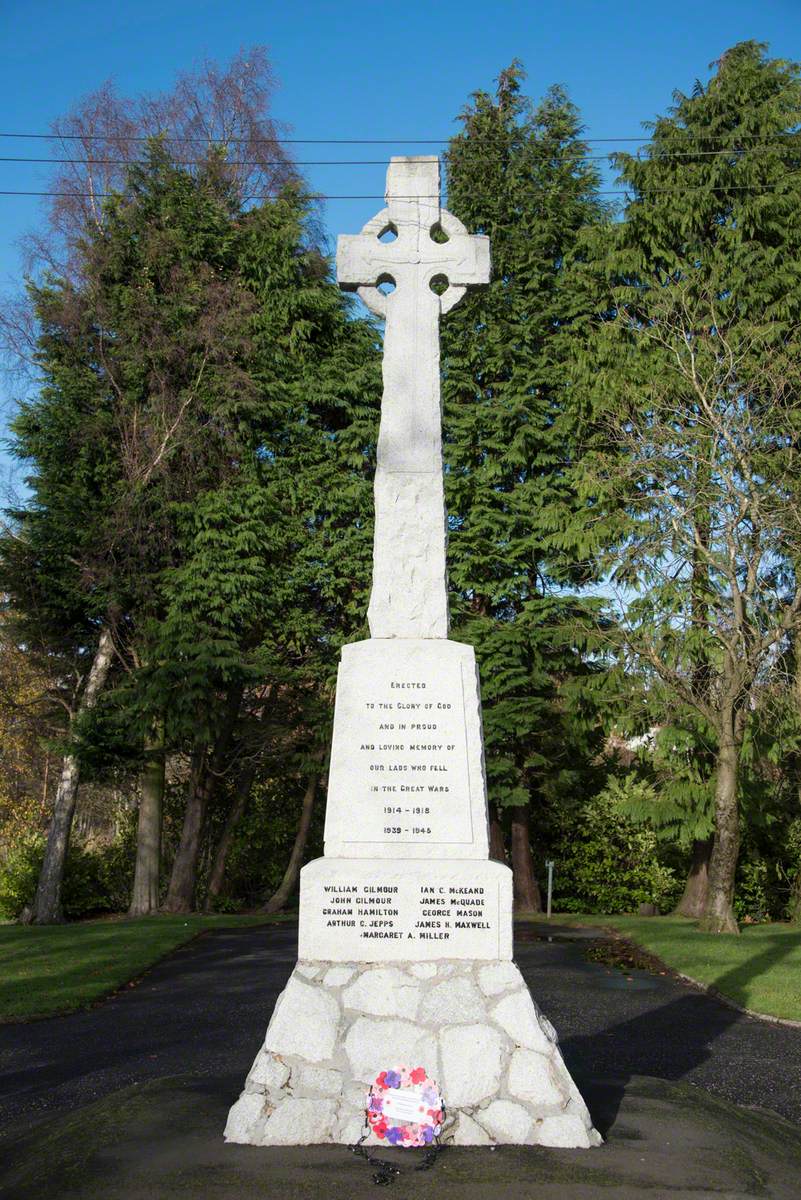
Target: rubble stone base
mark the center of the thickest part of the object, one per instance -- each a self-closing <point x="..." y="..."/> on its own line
<point x="472" y="1025"/>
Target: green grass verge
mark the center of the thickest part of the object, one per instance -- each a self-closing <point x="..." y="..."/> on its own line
<point x="57" y="968"/>
<point x="760" y="969"/>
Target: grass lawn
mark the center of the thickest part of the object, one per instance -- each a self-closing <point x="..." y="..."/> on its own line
<point x="760" y="969"/>
<point x="56" y="968"/>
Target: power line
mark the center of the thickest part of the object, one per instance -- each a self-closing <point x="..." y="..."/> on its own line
<point x="254" y="141"/>
<point x="351" y="162"/>
<point x="685" y="190"/>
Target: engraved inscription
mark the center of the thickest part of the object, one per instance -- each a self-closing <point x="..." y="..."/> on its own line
<point x="406" y="772"/>
<point x="428" y="913"/>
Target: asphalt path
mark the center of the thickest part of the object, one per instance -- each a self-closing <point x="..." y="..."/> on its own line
<point x="204" y="1010"/>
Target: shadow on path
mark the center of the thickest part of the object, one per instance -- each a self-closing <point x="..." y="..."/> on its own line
<point x="669" y="1042"/>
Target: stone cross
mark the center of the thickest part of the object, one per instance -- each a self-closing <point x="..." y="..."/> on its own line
<point x="398" y="247"/>
<point x="405" y="930"/>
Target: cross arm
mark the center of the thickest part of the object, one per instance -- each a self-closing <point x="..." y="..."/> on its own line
<point x="361" y="257"/>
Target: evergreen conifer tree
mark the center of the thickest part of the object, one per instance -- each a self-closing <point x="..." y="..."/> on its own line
<point x="521" y="175"/>
<point x="199" y="450"/>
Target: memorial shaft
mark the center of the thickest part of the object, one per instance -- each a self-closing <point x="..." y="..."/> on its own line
<point x="409" y="595"/>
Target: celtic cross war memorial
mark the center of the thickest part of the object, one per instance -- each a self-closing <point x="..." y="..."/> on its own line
<point x="405" y="939"/>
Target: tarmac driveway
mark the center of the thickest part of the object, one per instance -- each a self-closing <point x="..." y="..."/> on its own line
<point x="204" y="1010"/>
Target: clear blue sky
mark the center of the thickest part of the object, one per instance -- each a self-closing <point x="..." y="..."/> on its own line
<point x="352" y="69"/>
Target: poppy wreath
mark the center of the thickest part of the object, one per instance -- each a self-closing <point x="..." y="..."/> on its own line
<point x="405" y="1132"/>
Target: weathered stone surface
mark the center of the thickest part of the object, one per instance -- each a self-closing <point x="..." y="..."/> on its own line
<point x="471" y="1063"/>
<point x="548" y="1030"/>
<point x="308" y="970"/>
<point x="299" y="1123"/>
<point x="565" y="1130"/>
<point x="576" y="1104"/>
<point x="476" y="1062"/>
<point x="468" y="1132"/>
<point x="384" y="991"/>
<point x="317" y="1081"/>
<point x="339" y="975"/>
<point x="355" y="1095"/>
<point x="374" y="1044"/>
<point x="425" y="970"/>
<point x="499" y="977"/>
<point x="410" y="528"/>
<point x="246" y="1119"/>
<point x="409" y="596"/>
<point x="507" y="1122"/>
<point x="331" y="929"/>
<point x="268" y="1072"/>
<point x="351" y="1125"/>
<point x="456" y="1001"/>
<point x="517" y="1015"/>
<point x="534" y="1078"/>
<point x="304" y="1022"/>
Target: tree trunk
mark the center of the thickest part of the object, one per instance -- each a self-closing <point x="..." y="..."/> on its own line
<point x="794" y="907"/>
<point x="719" y="915"/>
<point x="527" y="896"/>
<point x="145" y="897"/>
<point x="794" y="904"/>
<point x="696" y="891"/>
<point x="46" y="908"/>
<point x="497" y="847"/>
<point x="206" y="770"/>
<point x="235" y="814"/>
<point x="281" y="895"/>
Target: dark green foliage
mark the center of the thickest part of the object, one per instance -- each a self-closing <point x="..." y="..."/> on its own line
<point x="201" y="448"/>
<point x="96" y="881"/>
<point x="521" y="176"/>
<point x="263" y="843"/>
<point x="685" y="380"/>
<point x="200" y="454"/>
<point x="605" y="863"/>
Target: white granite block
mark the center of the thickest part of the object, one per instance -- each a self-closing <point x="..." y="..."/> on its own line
<point x="384" y="992"/>
<point x="565" y="1130"/>
<point x="517" y="1015"/>
<point x="268" y="1071"/>
<point x="246" y="1119"/>
<point x="318" y="1081"/>
<point x="534" y="1078"/>
<point x="471" y="1063"/>
<point x="499" y="977"/>
<point x="407" y="769"/>
<point x="361" y="911"/>
<point x="373" y="1044"/>
<point x="452" y="1002"/>
<point x="304" y="1022"/>
<point x="298" y="1122"/>
<point x="507" y="1122"/>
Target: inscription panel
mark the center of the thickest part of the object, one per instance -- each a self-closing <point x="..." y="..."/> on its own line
<point x="354" y="910"/>
<point x="401" y="772"/>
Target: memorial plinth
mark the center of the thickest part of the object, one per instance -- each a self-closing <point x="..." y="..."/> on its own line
<point x="405" y="938"/>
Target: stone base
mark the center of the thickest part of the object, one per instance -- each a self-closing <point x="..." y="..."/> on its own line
<point x="472" y="1025"/>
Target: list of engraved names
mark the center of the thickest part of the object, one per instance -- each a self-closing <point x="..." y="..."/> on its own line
<point x="374" y="911"/>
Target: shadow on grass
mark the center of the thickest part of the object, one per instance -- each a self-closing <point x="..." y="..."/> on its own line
<point x="735" y="982"/>
<point x="49" y="970"/>
<point x="665" y="1043"/>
